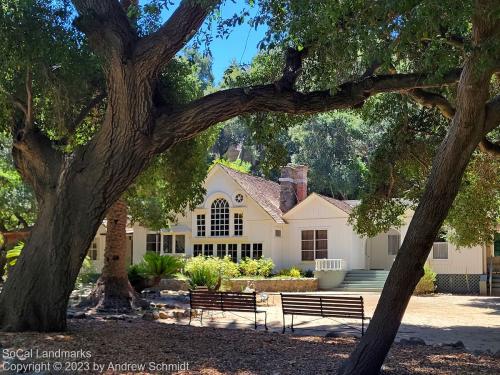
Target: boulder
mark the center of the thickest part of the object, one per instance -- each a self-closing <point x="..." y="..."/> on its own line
<point x="151" y="315"/>
<point x="164" y="315"/>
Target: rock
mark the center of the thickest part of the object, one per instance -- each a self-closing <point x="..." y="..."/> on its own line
<point x="114" y="317"/>
<point x="331" y="334"/>
<point x="412" y="341"/>
<point x="163" y="315"/>
<point x="497" y="355"/>
<point x="80" y="315"/>
<point x="455" y="345"/>
<point x="151" y="315"/>
<point x="417" y="341"/>
<point x="70" y="315"/>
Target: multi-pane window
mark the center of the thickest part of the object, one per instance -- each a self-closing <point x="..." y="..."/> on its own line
<point x="238" y="224"/>
<point x="219" y="218"/>
<point x="180" y="244"/>
<point x="93" y="251"/>
<point x="209" y="250"/>
<point x="393" y="241"/>
<point x="314" y="244"/>
<point x="257" y="250"/>
<point x="197" y="249"/>
<point x="232" y="251"/>
<point x="200" y="225"/>
<point x="246" y="251"/>
<point x="221" y="250"/>
<point x="168" y="243"/>
<point x="153" y="242"/>
<point x="440" y="250"/>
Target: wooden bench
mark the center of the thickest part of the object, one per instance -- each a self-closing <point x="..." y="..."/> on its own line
<point x="324" y="306"/>
<point x="203" y="299"/>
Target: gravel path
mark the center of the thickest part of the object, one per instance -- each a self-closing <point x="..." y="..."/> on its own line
<point x="227" y="351"/>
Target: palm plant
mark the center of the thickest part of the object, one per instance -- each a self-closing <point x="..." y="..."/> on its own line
<point x="157" y="266"/>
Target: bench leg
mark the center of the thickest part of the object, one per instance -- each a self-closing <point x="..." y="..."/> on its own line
<point x="265" y="319"/>
<point x="283" y="323"/>
<point x="293" y="330"/>
<point x="362" y="327"/>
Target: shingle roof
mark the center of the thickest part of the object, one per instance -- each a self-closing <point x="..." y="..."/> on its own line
<point x="345" y="206"/>
<point x="265" y="192"/>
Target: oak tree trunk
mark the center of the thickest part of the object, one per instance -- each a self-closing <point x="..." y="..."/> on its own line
<point x="74" y="194"/>
<point x="468" y="127"/>
<point x="113" y="291"/>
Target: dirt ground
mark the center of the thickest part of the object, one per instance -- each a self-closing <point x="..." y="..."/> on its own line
<point x="437" y="319"/>
<point x="122" y="347"/>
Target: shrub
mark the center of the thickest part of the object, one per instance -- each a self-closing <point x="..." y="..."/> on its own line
<point x="427" y="283"/>
<point x="210" y="271"/>
<point x="159" y="266"/>
<point x="294" y="272"/>
<point x="264" y="267"/>
<point x="308" y="273"/>
<point x="256" y="267"/>
<point x="88" y="273"/>
<point x="249" y="267"/>
<point x="11" y="257"/>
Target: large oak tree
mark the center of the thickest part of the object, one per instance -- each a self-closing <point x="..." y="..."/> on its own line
<point x="75" y="187"/>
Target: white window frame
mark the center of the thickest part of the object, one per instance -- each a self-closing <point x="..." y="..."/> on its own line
<point x="389" y="236"/>
<point x="314" y="241"/>
<point x="220" y="218"/>
<point x="436" y="246"/>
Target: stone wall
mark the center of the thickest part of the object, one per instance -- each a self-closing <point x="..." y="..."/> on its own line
<point x="173" y="284"/>
<point x="262" y="285"/>
<point x="273" y="285"/>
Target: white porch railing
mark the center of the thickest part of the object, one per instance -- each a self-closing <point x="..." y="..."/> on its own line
<point x="330" y="265"/>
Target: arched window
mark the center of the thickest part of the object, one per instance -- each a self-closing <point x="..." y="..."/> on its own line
<point x="219" y="218"/>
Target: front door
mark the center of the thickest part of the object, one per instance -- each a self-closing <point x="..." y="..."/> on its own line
<point x="382" y="250"/>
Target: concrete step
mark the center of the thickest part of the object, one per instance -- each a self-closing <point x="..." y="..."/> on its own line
<point x="357" y="289"/>
<point x="364" y="282"/>
<point x="357" y="278"/>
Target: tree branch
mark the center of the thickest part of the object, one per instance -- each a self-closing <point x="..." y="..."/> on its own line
<point x="293" y="67"/>
<point x="490" y="148"/>
<point x="186" y="122"/>
<point x="86" y="110"/>
<point x="492" y="113"/>
<point x="107" y="27"/>
<point x="433" y="100"/>
<point x="157" y="49"/>
<point x="29" y="99"/>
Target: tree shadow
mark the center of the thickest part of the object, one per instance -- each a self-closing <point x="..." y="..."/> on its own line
<point x="490" y="303"/>
<point x="232" y="351"/>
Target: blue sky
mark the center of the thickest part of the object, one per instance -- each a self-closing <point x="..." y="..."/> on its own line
<point x="241" y="44"/>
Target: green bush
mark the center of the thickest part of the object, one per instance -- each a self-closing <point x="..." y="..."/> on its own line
<point x="249" y="267"/>
<point x="295" y="272"/>
<point x="12" y="256"/>
<point x="159" y="266"/>
<point x="290" y="272"/>
<point x="210" y="271"/>
<point x="88" y="273"/>
<point x="427" y="283"/>
<point x="256" y="267"/>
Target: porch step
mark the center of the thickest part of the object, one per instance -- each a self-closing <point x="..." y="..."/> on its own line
<point x="364" y="281"/>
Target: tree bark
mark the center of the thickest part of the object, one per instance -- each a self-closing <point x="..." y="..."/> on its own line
<point x="468" y="127"/>
<point x="113" y="292"/>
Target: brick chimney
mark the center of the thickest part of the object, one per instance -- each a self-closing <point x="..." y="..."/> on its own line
<point x="293" y="184"/>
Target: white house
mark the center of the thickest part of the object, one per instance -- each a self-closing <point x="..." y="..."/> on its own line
<point x="247" y="216"/>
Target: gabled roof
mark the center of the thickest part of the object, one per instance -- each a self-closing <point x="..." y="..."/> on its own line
<point x="345" y="206"/>
<point x="342" y="205"/>
<point x="265" y="192"/>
